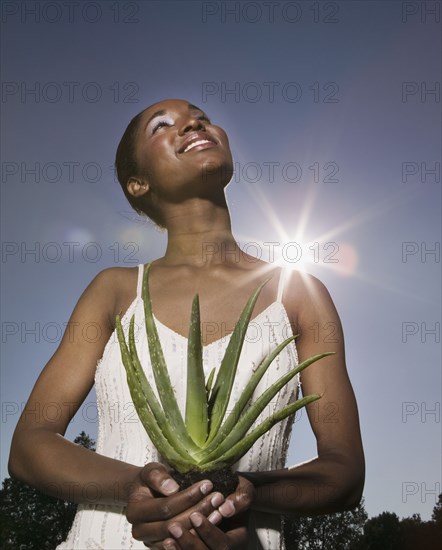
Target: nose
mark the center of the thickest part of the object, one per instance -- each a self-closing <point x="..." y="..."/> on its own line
<point x="190" y="123"/>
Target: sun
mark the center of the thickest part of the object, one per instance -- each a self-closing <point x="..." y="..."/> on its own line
<point x="295" y="250"/>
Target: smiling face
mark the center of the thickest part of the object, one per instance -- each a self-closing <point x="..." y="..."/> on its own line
<point x="180" y="153"/>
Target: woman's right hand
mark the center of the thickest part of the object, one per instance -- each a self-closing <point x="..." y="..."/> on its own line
<point x="156" y="501"/>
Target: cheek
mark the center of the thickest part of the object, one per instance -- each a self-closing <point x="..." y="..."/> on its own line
<point x="222" y="137"/>
<point x="221" y="134"/>
<point x="156" y="156"/>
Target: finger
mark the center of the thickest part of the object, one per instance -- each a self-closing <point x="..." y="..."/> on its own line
<point x="239" y="501"/>
<point x="213" y="537"/>
<point x="168" y="544"/>
<point x="217" y="539"/>
<point x="228" y="508"/>
<point x="185" y="538"/>
<point x="164" y="508"/>
<point x="156" y="477"/>
<point x="156" y="531"/>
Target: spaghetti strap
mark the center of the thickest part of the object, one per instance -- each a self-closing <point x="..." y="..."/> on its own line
<point x="140" y="280"/>
<point x="282" y="280"/>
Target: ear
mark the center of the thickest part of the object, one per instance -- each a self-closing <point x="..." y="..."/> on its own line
<point x="136" y="187"/>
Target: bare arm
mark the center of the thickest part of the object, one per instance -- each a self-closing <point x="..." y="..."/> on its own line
<point x="334" y="480"/>
<point x="40" y="455"/>
<point x="43" y="458"/>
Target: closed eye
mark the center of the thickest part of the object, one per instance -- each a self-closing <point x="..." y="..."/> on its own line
<point x="169" y="122"/>
<point x="160" y="124"/>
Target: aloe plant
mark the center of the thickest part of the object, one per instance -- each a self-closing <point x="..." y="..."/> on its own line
<point x="206" y="439"/>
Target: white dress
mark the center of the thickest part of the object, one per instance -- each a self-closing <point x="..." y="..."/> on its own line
<point x="122" y="436"/>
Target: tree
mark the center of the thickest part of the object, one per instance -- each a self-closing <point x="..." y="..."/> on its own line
<point x="436" y="516"/>
<point x="383" y="532"/>
<point x="342" y="530"/>
<point x="416" y="533"/>
<point x="85" y="441"/>
<point x="411" y="532"/>
<point x="32" y="520"/>
<point x="387" y="532"/>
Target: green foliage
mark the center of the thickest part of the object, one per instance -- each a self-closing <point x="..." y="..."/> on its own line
<point x="207" y="439"/>
<point x="339" y="531"/>
<point x="437" y="512"/>
<point x="32" y="520"/>
<point x="85" y="441"/>
<point x="383" y="532"/>
<point x="387" y="532"/>
<point x="416" y="533"/>
<point x="351" y="530"/>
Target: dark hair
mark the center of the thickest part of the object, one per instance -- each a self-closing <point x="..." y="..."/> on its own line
<point x="126" y="165"/>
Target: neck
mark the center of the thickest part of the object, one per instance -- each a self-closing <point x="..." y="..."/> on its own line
<point x="199" y="234"/>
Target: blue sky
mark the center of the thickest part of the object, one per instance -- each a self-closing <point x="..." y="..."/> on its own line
<point x="333" y="114"/>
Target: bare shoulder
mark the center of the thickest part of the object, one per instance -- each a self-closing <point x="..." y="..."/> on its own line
<point x="306" y="296"/>
<point x="115" y="277"/>
<point x="113" y="288"/>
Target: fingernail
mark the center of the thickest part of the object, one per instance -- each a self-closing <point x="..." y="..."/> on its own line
<point x="206" y="487"/>
<point x="196" y="520"/>
<point x="169" y="546"/>
<point x="175" y="530"/>
<point x="215" y="517"/>
<point x="216" y="500"/>
<point x="227" y="509"/>
<point x="169" y="486"/>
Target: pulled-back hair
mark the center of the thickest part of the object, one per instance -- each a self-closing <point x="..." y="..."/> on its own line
<point x="126" y="165"/>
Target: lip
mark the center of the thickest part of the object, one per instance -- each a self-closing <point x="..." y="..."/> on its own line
<point x="197" y="136"/>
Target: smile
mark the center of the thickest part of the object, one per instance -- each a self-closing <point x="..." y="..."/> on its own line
<point x="199" y="140"/>
<point x="196" y="143"/>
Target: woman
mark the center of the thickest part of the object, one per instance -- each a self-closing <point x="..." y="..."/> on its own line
<point x="174" y="165"/>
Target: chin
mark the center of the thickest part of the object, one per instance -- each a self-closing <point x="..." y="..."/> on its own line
<point x="218" y="169"/>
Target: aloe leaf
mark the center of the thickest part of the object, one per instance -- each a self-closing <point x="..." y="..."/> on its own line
<point x="210" y="382"/>
<point x="143" y="383"/>
<point x="159" y="368"/>
<point x="144" y="386"/>
<point x="196" y="402"/>
<point x="245" y="396"/>
<point x="176" y="459"/>
<point x="221" y="391"/>
<point x="244" y="423"/>
<point x="241" y="448"/>
<point x="192" y="447"/>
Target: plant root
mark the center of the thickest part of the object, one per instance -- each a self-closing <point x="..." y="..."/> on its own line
<point x="224" y="481"/>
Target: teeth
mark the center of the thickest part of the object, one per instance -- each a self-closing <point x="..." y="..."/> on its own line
<point x="195" y="143"/>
